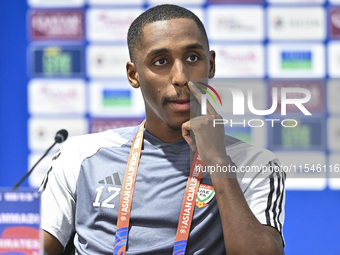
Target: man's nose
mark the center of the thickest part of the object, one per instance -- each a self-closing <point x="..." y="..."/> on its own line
<point x="179" y="74"/>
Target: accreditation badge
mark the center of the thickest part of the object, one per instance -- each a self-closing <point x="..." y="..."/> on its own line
<point x="204" y="195"/>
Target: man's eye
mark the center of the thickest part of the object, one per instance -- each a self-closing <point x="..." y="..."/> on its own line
<point x="192" y="58"/>
<point x="160" y="62"/>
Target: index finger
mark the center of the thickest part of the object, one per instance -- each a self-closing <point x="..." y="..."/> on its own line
<point x="198" y="94"/>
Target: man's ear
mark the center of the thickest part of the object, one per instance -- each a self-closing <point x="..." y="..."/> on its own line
<point x="212" y="64"/>
<point x="132" y="74"/>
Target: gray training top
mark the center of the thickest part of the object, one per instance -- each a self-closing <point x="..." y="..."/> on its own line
<point x="83" y="185"/>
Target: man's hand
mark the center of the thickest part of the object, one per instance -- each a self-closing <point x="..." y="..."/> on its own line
<point x="210" y="140"/>
<point x="243" y="233"/>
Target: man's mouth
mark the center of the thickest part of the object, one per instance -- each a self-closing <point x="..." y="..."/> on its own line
<point x="180" y="104"/>
<point x="181" y="101"/>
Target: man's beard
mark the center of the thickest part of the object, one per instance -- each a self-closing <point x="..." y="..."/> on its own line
<point x="194" y="112"/>
<point x="175" y="128"/>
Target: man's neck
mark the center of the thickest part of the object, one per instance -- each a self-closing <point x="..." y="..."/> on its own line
<point x="162" y="131"/>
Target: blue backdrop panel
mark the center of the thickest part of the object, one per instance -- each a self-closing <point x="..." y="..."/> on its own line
<point x="13" y="94"/>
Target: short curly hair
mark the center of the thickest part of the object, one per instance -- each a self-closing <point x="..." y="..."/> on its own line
<point x="158" y="13"/>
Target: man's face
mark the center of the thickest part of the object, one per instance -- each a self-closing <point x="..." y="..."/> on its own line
<point x="171" y="53"/>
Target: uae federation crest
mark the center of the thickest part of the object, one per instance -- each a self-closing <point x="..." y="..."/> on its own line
<point x="204" y="195"/>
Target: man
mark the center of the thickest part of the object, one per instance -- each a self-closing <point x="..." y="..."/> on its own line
<point x="83" y="190"/>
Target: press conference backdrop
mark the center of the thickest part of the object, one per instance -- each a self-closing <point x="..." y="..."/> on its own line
<point x="62" y="65"/>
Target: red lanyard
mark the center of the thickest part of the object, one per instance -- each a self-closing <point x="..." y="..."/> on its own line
<point x="125" y="202"/>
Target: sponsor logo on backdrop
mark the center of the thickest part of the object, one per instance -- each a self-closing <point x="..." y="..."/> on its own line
<point x="109" y="24"/>
<point x="239" y="61"/>
<point x="244" y="23"/>
<point x="107" y="61"/>
<point x="56" y="3"/>
<point x="334" y="19"/>
<point x="307" y="135"/>
<point x="115" y="99"/>
<point x="334" y="133"/>
<point x="316" y="88"/>
<point x="99" y="125"/>
<point x="56" y="96"/>
<point x="57" y="61"/>
<point x="296" y="60"/>
<point x="333" y="96"/>
<point x="277" y="22"/>
<point x="296" y="23"/>
<point x="234" y="25"/>
<point x="57" y="25"/>
<point x="42" y="130"/>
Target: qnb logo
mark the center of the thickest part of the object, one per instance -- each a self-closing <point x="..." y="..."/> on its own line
<point x="239" y="100"/>
<point x="204" y="97"/>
